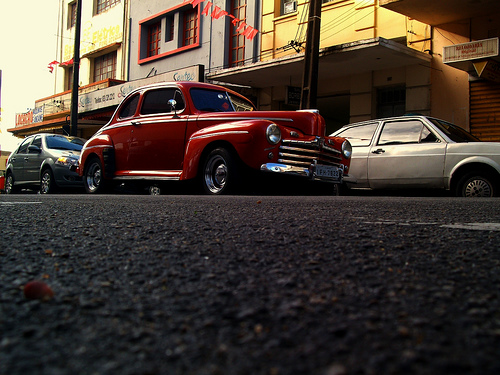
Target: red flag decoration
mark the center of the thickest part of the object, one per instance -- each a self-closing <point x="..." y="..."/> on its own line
<point x="52" y="64"/>
<point x="67" y="63"/>
<point x="248" y="31"/>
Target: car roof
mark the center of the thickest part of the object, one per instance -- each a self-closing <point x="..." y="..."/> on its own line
<point x="394" y="118"/>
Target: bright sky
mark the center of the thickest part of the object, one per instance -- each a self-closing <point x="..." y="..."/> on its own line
<point x="28" y="37"/>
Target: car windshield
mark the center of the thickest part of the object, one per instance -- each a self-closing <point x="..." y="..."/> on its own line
<point x="60" y="142"/>
<point x="218" y="101"/>
<point x="454" y="132"/>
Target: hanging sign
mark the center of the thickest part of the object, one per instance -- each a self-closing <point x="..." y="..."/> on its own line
<point x="248" y="31"/>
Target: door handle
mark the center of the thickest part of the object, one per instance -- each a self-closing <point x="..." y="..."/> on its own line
<point x="378" y="151"/>
<point x="26" y="158"/>
<point x="136" y="123"/>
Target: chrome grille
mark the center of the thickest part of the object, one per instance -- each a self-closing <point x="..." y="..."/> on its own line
<point x="305" y="153"/>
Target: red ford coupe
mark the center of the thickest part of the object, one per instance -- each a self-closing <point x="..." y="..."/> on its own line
<point x="187" y="130"/>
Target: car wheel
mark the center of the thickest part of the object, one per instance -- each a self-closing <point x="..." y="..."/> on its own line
<point x="220" y="173"/>
<point x="154" y="190"/>
<point x="474" y="185"/>
<point x="9" y="184"/>
<point x="93" y="177"/>
<point x="47" y="183"/>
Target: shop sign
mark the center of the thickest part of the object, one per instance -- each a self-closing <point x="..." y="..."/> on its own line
<point x="471" y="51"/>
<point x="488" y="69"/>
<point x="112" y="96"/>
<point x="94" y="39"/>
<point x="24" y="118"/>
<point x="37" y="114"/>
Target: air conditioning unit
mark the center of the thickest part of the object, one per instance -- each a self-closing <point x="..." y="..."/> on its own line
<point x="289" y="7"/>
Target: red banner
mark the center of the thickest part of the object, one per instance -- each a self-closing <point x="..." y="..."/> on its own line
<point x="248" y="31"/>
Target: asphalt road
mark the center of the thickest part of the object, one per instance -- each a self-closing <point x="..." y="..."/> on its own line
<point x="250" y="285"/>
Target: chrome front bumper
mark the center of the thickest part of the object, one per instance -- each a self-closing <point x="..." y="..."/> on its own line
<point x="334" y="174"/>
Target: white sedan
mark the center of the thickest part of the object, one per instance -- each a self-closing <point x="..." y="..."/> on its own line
<point x="421" y="152"/>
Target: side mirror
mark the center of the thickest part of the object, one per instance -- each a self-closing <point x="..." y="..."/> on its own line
<point x="34" y="149"/>
<point x="172" y="103"/>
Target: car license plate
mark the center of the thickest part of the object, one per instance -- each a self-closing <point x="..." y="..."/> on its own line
<point x="327" y="172"/>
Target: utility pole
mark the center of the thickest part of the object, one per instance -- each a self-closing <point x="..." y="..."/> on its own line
<point x="308" y="99"/>
<point x="76" y="71"/>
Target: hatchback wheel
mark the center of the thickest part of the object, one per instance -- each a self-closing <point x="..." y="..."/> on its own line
<point x="475" y="185"/>
<point x="9" y="184"/>
<point x="219" y="174"/>
<point x="93" y="177"/>
<point x="47" y="182"/>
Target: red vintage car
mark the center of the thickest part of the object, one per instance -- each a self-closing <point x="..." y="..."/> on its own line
<point x="187" y="130"/>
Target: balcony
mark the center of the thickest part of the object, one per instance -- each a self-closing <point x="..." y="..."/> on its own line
<point x="438" y="12"/>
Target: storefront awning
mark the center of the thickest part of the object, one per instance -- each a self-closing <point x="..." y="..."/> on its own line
<point x="336" y="61"/>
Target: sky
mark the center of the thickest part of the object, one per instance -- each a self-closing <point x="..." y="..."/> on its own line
<point x="28" y="37"/>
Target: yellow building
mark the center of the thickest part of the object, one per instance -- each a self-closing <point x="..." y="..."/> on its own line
<point x="377" y="57"/>
<point x="373" y="62"/>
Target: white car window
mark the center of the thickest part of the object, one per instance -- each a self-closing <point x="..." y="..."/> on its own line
<point x="359" y="135"/>
<point x="401" y="132"/>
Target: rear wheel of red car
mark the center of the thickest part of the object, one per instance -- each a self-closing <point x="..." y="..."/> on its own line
<point x="220" y="172"/>
<point x="475" y="185"/>
<point x="93" y="176"/>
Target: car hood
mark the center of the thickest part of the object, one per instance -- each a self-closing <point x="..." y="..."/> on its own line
<point x="68" y="153"/>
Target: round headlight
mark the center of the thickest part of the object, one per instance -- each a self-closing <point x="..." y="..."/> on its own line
<point x="273" y="134"/>
<point x="346" y="149"/>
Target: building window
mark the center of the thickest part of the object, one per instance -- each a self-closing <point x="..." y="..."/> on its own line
<point x="172" y="31"/>
<point x="170" y="28"/>
<point x="391" y="101"/>
<point x="104" y="5"/>
<point x="237" y="46"/>
<point x="72" y="14"/>
<point x="68" y="78"/>
<point x="288" y="6"/>
<point x="190" y="27"/>
<point x="105" y="67"/>
<point x="154" y="38"/>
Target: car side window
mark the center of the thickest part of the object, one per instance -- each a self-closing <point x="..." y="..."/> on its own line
<point x="37" y="142"/>
<point x="359" y="135"/>
<point x="129" y="108"/>
<point x="428" y="137"/>
<point x="157" y="101"/>
<point x="400" y="132"/>
<point x="23" y="149"/>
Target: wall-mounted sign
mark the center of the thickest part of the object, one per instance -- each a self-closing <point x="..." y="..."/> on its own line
<point x="38" y="114"/>
<point x="479" y="49"/>
<point x="113" y="95"/>
<point x="488" y="69"/>
<point x="93" y="39"/>
<point x="24" y="118"/>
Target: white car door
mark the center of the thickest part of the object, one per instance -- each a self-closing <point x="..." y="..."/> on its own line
<point x="406" y="154"/>
<point x="360" y="138"/>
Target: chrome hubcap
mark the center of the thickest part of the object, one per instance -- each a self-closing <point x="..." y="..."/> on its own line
<point x="478" y="188"/>
<point x="8" y="184"/>
<point x="93" y="177"/>
<point x="45" y="185"/>
<point x="216" y="174"/>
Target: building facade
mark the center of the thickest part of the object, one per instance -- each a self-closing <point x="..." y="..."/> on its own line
<point x="103" y="63"/>
<point x="173" y="34"/>
<point x="373" y="62"/>
<point x="465" y="60"/>
<point x="377" y="58"/>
